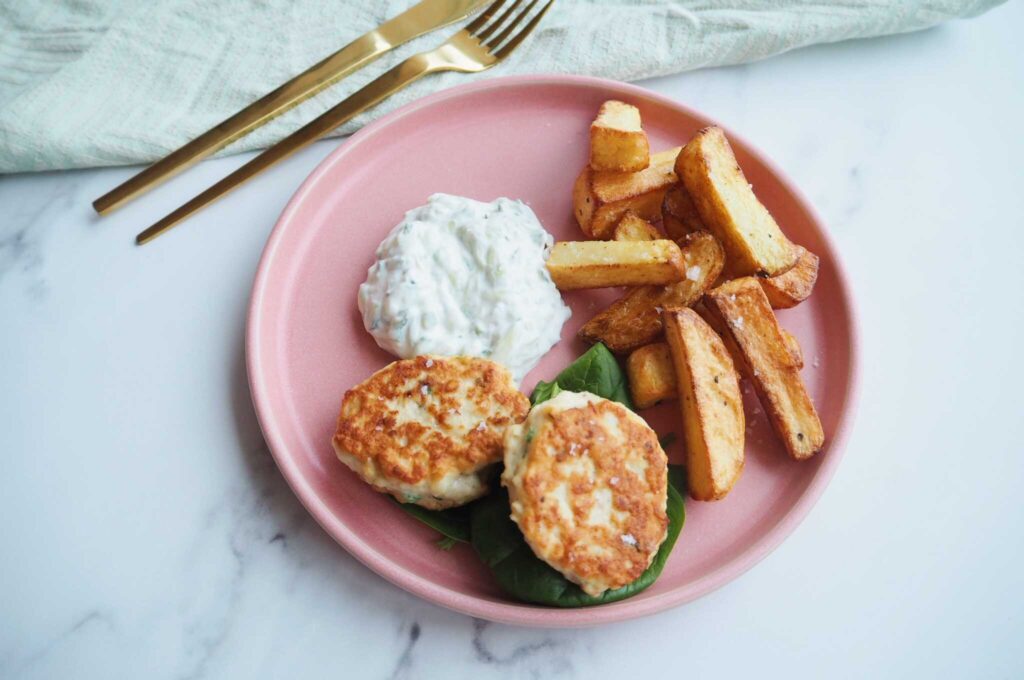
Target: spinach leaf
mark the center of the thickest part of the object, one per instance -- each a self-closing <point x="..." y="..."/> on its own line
<point x="501" y="546"/>
<point x="452" y="524"/>
<point x="596" y="371"/>
<point x="544" y="391"/>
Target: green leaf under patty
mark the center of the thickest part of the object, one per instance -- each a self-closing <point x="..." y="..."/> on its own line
<point x="596" y="371"/>
<point x="452" y="524"/>
<point x="521" y="574"/>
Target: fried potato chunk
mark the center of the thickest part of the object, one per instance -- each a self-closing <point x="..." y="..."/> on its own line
<point x="679" y="215"/>
<point x="602" y="264"/>
<point x="652" y="378"/>
<point x="617" y="140"/>
<point x="742" y="310"/>
<point x="794" y="286"/>
<point x="753" y="242"/>
<point x="599" y="199"/>
<point x="633" y="228"/>
<point x="714" y="426"/>
<point x="795" y="352"/>
<point x="634" y="320"/>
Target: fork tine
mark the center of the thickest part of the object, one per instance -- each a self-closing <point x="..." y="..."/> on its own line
<point x="484" y="16"/>
<point x="500" y="38"/>
<point x="516" y="39"/>
<point x="482" y="35"/>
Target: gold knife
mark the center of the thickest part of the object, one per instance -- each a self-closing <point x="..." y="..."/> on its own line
<point x="422" y="18"/>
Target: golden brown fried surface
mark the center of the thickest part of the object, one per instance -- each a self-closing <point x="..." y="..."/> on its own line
<point x="617" y="140"/>
<point x="794" y="286"/>
<point x="587" y="481"/>
<point x="712" y="407"/>
<point x="633" y="228"/>
<point x="634" y="319"/>
<point x="652" y="378"/>
<point x="753" y="242"/>
<point x="427" y="430"/>
<point x="743" y="311"/>
<point x="605" y="264"/>
<point x="599" y="199"/>
<point x="679" y="215"/>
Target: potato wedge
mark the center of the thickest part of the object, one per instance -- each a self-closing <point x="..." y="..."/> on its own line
<point x="794" y="286"/>
<point x="753" y="242"/>
<point x="714" y="426"/>
<point x="651" y="376"/>
<point x="679" y="215"/>
<point x="742" y="309"/>
<point x="602" y="264"/>
<point x="795" y="352"/>
<point x="617" y="141"/>
<point x="633" y="228"/>
<point x="634" y="320"/>
<point x="599" y="199"/>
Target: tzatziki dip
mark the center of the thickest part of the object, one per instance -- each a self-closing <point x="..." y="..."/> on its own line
<point x="461" y="277"/>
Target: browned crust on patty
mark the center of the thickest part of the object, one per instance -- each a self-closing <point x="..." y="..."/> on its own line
<point x="424" y="419"/>
<point x="638" y="502"/>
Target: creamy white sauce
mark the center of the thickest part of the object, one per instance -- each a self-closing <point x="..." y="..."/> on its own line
<point x="461" y="277"/>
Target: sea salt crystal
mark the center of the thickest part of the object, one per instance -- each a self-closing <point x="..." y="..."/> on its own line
<point x="379" y="428"/>
<point x="613" y="481"/>
<point x="424" y="390"/>
<point x="738" y="322"/>
<point x="482" y="426"/>
<point x="693" y="273"/>
<point x="628" y="539"/>
<point x="429" y="363"/>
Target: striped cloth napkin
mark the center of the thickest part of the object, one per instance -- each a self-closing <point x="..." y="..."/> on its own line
<point x="108" y="82"/>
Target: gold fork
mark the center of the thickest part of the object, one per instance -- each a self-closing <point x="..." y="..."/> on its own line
<point x="475" y="48"/>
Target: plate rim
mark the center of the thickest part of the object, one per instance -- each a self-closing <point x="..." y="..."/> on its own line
<point x="521" y="613"/>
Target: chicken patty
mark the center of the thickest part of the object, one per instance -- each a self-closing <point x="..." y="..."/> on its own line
<point x="588" y="484"/>
<point x="429" y="430"/>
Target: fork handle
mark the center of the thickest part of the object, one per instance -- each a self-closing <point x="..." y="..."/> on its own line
<point x="402" y="75"/>
<point x="421" y="18"/>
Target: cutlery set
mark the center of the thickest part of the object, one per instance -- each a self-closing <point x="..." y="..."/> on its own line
<point x="487" y="40"/>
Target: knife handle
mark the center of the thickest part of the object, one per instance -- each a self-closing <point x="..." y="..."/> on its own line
<point x="402" y="75"/>
<point x="416" y="21"/>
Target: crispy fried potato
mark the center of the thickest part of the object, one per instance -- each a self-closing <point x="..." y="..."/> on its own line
<point x="794" y="286"/>
<point x="602" y="264"/>
<point x="753" y="242"/>
<point x="792" y="344"/>
<point x="633" y="228"/>
<point x="634" y="320"/>
<point x="617" y="142"/>
<point x="679" y="215"/>
<point x="742" y="309"/>
<point x="600" y="198"/>
<point x="651" y="375"/>
<point x="714" y="426"/>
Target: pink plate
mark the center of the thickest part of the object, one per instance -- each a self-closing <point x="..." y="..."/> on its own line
<point x="525" y="138"/>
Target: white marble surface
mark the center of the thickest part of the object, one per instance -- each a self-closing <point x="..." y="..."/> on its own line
<point x="146" y="533"/>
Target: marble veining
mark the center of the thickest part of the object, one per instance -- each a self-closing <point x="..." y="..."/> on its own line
<point x="147" y="532"/>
